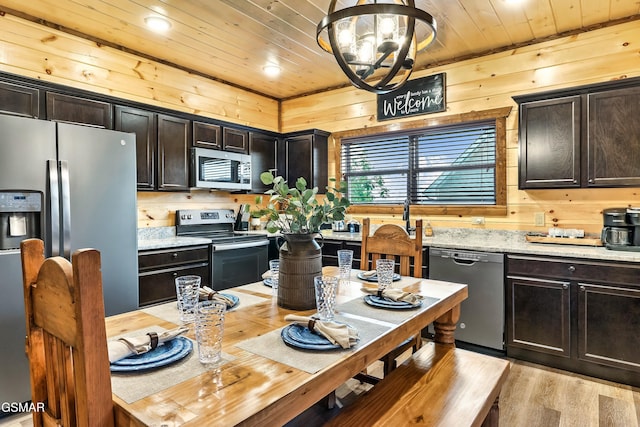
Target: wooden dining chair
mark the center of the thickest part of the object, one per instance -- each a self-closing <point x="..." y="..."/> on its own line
<point x="66" y="338"/>
<point x="393" y="242"/>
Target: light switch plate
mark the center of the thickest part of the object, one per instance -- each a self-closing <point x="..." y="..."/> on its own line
<point x="538" y="218"/>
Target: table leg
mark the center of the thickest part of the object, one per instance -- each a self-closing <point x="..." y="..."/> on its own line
<point x="445" y="326"/>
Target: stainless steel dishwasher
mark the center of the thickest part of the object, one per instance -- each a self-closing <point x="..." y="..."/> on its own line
<point x="482" y="313"/>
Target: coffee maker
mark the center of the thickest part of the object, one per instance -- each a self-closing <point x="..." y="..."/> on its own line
<point x="621" y="230"/>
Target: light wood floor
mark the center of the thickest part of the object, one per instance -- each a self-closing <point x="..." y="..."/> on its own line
<point x="534" y="396"/>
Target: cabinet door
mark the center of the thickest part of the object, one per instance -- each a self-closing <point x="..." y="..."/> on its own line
<point x="262" y="149"/>
<point x="538" y="315"/>
<point x="19" y="100"/>
<point x="609" y="325"/>
<point x="173" y="160"/>
<point x="207" y="135"/>
<point x="71" y="109"/>
<point x="143" y="124"/>
<point x="550" y="143"/>
<point x="235" y="140"/>
<point x="614" y="132"/>
<point x="295" y="159"/>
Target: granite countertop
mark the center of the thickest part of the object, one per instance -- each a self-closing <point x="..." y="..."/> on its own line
<point x="503" y="241"/>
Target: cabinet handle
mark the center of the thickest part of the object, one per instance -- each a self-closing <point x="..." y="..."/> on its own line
<point x="175" y="274"/>
<point x="582" y="288"/>
<point x="591" y="181"/>
<point x="565" y="286"/>
<point x="575" y="181"/>
<point x="174" y="255"/>
<point x="572" y="268"/>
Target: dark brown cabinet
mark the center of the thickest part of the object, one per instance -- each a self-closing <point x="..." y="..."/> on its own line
<point x="575" y="314"/>
<point x="207" y="135"/>
<point x="262" y="148"/>
<point x="236" y="140"/>
<point x="174" y="134"/>
<point x="157" y="270"/>
<point x="143" y="124"/>
<point x="550" y="143"/>
<point x="73" y="109"/>
<point x="580" y="137"/>
<point x="304" y="154"/>
<point x="613" y="139"/>
<point x="19" y="100"/>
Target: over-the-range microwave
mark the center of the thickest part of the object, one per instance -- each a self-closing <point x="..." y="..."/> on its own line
<point x="220" y="170"/>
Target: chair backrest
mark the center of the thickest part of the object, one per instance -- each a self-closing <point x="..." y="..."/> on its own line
<point x="392" y="241"/>
<point x="66" y="338"/>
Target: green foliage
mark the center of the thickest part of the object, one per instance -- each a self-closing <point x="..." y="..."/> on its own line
<point x="363" y="188"/>
<point x="297" y="209"/>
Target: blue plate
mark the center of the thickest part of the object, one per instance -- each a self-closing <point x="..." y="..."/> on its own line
<point x="233" y="298"/>
<point x="163" y="355"/>
<point x="268" y="282"/>
<point x="374" y="277"/>
<point x="301" y="337"/>
<point x="380" y="302"/>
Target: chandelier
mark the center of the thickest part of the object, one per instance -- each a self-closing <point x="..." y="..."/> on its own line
<point x="375" y="42"/>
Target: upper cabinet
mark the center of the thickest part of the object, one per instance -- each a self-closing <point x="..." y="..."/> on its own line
<point x="304" y="154"/>
<point x="73" y="109"/>
<point x="143" y="124"/>
<point x="207" y="135"/>
<point x="162" y="143"/>
<point x="236" y="140"/>
<point x="262" y="148"/>
<point x="613" y="143"/>
<point x="581" y="137"/>
<point x="20" y="100"/>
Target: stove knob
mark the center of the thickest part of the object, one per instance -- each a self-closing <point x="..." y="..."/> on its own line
<point x="189" y="216"/>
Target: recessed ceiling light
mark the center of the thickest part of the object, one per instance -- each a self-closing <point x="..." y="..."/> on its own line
<point x="157" y="23"/>
<point x="271" y="70"/>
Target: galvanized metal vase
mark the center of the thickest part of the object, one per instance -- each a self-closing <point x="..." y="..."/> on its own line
<point x="300" y="262"/>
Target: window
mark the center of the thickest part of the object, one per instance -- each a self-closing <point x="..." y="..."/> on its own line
<point x="443" y="165"/>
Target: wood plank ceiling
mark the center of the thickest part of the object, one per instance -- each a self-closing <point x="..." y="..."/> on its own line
<point x="231" y="40"/>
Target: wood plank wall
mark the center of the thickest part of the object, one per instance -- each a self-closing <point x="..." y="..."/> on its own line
<point x="36" y="51"/>
<point x="490" y="82"/>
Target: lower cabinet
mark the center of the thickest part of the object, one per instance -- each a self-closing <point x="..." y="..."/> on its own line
<point x="157" y="270"/>
<point x="578" y="315"/>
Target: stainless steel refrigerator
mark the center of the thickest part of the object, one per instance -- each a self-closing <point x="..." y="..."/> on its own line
<point x="74" y="187"/>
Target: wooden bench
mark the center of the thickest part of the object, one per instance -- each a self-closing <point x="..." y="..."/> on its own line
<point x="440" y="385"/>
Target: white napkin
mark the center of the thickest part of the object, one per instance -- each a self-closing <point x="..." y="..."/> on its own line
<point x="206" y="293"/>
<point x="369" y="273"/>
<point x="336" y="333"/>
<point x="127" y="346"/>
<point x="266" y="274"/>
<point x="396" y="295"/>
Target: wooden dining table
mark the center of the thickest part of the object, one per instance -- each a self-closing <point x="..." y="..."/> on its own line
<point x="263" y="381"/>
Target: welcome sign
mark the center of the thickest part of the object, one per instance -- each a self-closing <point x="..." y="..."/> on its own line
<point x="419" y="96"/>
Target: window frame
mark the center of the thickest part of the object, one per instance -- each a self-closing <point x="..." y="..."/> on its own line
<point x="499" y="208"/>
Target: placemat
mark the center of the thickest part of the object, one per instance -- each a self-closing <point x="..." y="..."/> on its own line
<point x="358" y="307"/>
<point x="271" y="346"/>
<point x="257" y="287"/>
<point x="133" y="386"/>
<point x="169" y="310"/>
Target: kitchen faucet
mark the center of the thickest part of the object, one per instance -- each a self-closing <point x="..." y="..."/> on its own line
<point x="405" y="217"/>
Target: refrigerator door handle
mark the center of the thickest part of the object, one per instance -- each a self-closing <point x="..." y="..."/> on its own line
<point x="66" y="209"/>
<point x="53" y="245"/>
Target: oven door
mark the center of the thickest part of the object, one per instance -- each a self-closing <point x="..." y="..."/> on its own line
<point x="238" y="263"/>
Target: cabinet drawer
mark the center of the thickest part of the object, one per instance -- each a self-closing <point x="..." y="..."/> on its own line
<point x="155" y="287"/>
<point x="588" y="270"/>
<point x="155" y="259"/>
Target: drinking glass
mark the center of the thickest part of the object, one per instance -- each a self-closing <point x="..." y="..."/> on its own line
<point x="384" y="271"/>
<point x="187" y="289"/>
<point x="209" y="318"/>
<point x="345" y="259"/>
<point x="274" y="268"/>
<point x="326" y="289"/>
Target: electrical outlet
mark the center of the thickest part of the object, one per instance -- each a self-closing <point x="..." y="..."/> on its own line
<point x="477" y="220"/>
<point x="538" y="219"/>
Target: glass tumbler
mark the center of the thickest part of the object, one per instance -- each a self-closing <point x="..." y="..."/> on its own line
<point x="187" y="290"/>
<point x="326" y="289"/>
<point x="384" y="271"/>
<point x="209" y="318"/>
<point x="274" y="269"/>
<point x="345" y="260"/>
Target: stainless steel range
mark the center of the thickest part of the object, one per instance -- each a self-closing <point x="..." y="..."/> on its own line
<point x="237" y="258"/>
